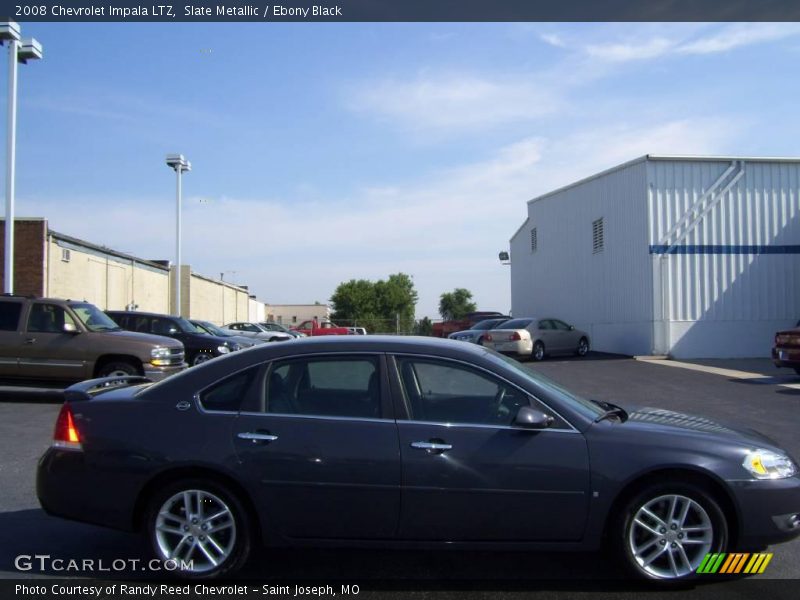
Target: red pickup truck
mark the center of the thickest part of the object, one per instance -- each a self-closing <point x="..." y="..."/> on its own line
<point x="312" y="328"/>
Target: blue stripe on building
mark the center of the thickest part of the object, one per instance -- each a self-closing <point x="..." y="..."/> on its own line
<point x="726" y="249"/>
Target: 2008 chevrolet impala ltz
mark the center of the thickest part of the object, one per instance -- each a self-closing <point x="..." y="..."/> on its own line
<point x="370" y="440"/>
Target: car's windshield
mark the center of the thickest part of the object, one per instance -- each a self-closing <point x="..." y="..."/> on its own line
<point x="188" y="327"/>
<point x="586" y="407"/>
<point x="93" y="318"/>
<point x="210" y="328"/>
<point x="516" y="324"/>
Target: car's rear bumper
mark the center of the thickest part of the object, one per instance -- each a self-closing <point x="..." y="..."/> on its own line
<point x="769" y="509"/>
<point x="517" y="348"/>
<point x="68" y="487"/>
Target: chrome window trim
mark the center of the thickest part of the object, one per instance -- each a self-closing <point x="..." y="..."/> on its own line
<point x="496" y="376"/>
<point x="482" y="426"/>
<point x="316" y="417"/>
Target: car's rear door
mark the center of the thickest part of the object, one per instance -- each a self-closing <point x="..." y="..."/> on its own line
<point x="320" y="448"/>
<point x="469" y="474"/>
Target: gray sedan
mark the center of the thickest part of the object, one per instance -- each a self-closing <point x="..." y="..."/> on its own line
<point x="476" y="332"/>
<point x="406" y="442"/>
<point x="536" y="338"/>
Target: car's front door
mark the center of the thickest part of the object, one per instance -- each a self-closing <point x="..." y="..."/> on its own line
<point x="469" y="474"/>
<point x="10" y="337"/>
<point x="567" y="337"/>
<point x="321" y="449"/>
<point x="47" y="350"/>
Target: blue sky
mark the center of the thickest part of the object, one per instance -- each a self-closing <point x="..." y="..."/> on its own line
<point x="325" y="152"/>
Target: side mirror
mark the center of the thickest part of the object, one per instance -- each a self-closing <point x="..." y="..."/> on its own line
<point x="173" y="330"/>
<point x="70" y="328"/>
<point x="530" y="418"/>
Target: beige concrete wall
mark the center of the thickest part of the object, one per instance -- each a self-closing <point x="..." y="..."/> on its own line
<point x="256" y="311"/>
<point x="212" y="300"/>
<point x="291" y="314"/>
<point x="109" y="282"/>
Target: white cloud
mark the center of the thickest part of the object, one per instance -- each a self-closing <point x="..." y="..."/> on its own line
<point x="444" y="230"/>
<point x="454" y="101"/>
<point x="553" y="39"/>
<point x="673" y="39"/>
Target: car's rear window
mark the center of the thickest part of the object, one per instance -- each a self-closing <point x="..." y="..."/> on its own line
<point x="516" y="324"/>
<point x="9" y="315"/>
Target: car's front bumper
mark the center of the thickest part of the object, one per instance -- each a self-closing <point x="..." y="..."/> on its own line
<point x="769" y="511"/>
<point x="786" y="357"/>
<point x="158" y="373"/>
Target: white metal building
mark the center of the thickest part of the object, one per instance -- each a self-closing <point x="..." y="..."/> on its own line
<point x="695" y="257"/>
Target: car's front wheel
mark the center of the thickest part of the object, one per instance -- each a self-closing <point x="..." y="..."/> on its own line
<point x="666" y="530"/>
<point x="201" y="357"/>
<point x="199" y="529"/>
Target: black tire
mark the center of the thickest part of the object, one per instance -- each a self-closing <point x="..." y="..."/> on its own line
<point x="118" y="368"/>
<point x="480" y="341"/>
<point x="583" y="347"/>
<point x="625" y="537"/>
<point x="797" y="371"/>
<point x="201" y="357"/>
<point x="537" y="353"/>
<point x="241" y="533"/>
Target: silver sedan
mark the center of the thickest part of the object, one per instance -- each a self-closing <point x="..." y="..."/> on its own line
<point x="476" y="333"/>
<point x="536" y="338"/>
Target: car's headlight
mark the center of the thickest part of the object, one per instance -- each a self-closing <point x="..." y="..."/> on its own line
<point x="766" y="464"/>
<point x="160" y="357"/>
<point x="223" y="349"/>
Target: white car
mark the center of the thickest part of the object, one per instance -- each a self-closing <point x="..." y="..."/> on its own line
<point x="536" y="338"/>
<point x="257" y="331"/>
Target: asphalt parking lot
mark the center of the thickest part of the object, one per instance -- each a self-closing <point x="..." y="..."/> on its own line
<point x="26" y="423"/>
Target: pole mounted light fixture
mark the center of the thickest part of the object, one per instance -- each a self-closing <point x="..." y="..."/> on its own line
<point x="18" y="52"/>
<point x="505" y="257"/>
<point x="180" y="165"/>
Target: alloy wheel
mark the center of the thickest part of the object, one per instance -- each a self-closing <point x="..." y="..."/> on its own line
<point x="669" y="536"/>
<point x="201" y="358"/>
<point x="196" y="527"/>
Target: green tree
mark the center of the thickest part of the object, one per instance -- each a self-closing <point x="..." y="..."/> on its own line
<point x="380" y="306"/>
<point x="456" y="304"/>
<point x="424" y="327"/>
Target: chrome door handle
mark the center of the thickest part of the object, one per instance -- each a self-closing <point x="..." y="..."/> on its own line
<point x="257" y="437"/>
<point x="30" y="341"/>
<point x="431" y="446"/>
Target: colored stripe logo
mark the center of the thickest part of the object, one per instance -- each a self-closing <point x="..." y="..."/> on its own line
<point x="728" y="564"/>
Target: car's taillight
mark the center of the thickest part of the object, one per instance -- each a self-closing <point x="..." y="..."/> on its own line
<point x="515" y="337"/>
<point x="487" y="337"/>
<point x="66" y="434"/>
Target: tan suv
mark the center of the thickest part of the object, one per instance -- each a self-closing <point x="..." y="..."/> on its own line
<point x="49" y="340"/>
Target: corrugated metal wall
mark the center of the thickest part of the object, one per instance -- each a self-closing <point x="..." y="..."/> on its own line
<point x="734" y="279"/>
<point x="608" y="293"/>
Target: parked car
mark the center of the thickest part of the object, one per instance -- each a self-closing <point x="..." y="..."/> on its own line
<point x="211" y="329"/>
<point x="537" y="338"/>
<point x="64" y="341"/>
<point x="445" y="328"/>
<point x="476" y="332"/>
<point x="256" y="331"/>
<point x="273" y="326"/>
<point x="786" y="351"/>
<point x="314" y="328"/>
<point x="406" y="441"/>
<point x="199" y="346"/>
<point x="357" y="330"/>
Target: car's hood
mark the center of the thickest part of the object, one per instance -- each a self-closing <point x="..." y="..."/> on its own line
<point x="659" y="419"/>
<point x="144" y="338"/>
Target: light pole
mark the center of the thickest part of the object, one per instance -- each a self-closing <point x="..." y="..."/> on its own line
<point x="18" y="52"/>
<point x="179" y="163"/>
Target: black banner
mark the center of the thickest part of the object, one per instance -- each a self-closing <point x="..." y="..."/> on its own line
<point x="403" y="10"/>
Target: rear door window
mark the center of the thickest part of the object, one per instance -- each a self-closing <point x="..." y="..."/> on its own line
<point x="9" y="315"/>
<point x="48" y="318"/>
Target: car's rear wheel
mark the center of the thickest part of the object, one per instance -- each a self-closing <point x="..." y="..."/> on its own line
<point x="666" y="530"/>
<point x="538" y="351"/>
<point x="199" y="529"/>
<point x="583" y="347"/>
<point x="118" y="368"/>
